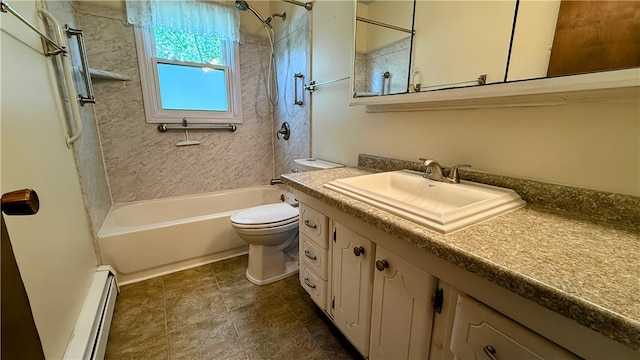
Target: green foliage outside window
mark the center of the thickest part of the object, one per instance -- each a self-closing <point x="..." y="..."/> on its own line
<point x="188" y="46"/>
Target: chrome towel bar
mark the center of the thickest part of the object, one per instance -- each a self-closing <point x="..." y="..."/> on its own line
<point x="90" y="98"/>
<point x="197" y="127"/>
<point x="297" y="76"/>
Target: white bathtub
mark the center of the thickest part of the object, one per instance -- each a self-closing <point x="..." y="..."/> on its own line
<point x="144" y="239"/>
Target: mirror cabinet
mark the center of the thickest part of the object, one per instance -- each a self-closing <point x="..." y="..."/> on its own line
<point x="412" y="49"/>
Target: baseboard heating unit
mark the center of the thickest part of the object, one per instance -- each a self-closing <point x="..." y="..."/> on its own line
<point x="89" y="338"/>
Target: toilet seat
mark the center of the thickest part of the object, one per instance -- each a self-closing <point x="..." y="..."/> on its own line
<point x="266" y="217"/>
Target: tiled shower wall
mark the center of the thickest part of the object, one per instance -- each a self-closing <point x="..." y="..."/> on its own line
<point x="86" y="150"/>
<point x="142" y="163"/>
<point x="293" y="55"/>
<point x="393" y="58"/>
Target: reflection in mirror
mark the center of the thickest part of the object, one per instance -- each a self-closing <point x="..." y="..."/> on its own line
<point x="457" y="41"/>
<point x="383" y="47"/>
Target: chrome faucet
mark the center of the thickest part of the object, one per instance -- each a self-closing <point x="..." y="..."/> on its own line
<point x="434" y="171"/>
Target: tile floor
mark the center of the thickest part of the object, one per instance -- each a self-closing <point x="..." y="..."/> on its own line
<point x="213" y="312"/>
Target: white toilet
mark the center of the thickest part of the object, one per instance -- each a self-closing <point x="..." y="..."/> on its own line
<point x="272" y="234"/>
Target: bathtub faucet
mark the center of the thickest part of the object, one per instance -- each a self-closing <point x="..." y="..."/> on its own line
<point x="275" y="181"/>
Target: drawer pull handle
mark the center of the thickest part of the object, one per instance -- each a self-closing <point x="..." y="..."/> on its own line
<point x="306" y="222"/>
<point x="358" y="250"/>
<point x="306" y="281"/>
<point x="307" y="254"/>
<point x="382" y="264"/>
<point x="490" y="351"/>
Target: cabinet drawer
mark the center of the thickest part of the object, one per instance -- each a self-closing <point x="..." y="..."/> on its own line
<point x="314" y="225"/>
<point x="314" y="256"/>
<point x="480" y="332"/>
<point x="315" y="286"/>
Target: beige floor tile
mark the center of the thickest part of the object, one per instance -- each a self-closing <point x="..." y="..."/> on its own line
<point x="213" y="338"/>
<point x="151" y="349"/>
<point x="304" y="308"/>
<point x="191" y="279"/>
<point x="133" y="325"/>
<point x="140" y="293"/>
<point x="290" y="289"/>
<point x="231" y="269"/>
<point x="191" y="307"/>
<point x="293" y="344"/>
<point x="214" y="312"/>
<point x="238" y="293"/>
<point x="330" y="340"/>
<point x="263" y="320"/>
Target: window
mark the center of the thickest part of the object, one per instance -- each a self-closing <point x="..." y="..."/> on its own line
<point x="189" y="69"/>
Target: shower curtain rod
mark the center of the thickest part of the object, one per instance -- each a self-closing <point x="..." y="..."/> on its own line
<point x="307" y="5"/>
<point x="378" y="23"/>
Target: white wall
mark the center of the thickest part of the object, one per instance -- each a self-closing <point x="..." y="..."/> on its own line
<point x="594" y="146"/>
<point x="53" y="248"/>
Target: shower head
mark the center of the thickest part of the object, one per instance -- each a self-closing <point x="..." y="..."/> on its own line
<point x="244" y="6"/>
<point x="283" y="16"/>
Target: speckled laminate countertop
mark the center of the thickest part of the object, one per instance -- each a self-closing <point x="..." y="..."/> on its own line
<point x="583" y="268"/>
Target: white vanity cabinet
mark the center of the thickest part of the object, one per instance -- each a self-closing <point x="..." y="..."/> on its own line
<point x="314" y="254"/>
<point x="403" y="309"/>
<point x="480" y="332"/>
<point x="352" y="258"/>
<point x="393" y="302"/>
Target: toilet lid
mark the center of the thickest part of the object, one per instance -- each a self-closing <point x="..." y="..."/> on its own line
<point x="266" y="214"/>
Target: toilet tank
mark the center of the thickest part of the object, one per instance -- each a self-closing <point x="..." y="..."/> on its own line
<point x="311" y="164"/>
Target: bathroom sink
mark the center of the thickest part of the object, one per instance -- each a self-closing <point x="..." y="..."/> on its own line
<point x="440" y="206"/>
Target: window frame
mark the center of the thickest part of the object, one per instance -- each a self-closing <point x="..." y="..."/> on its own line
<point x="154" y="113"/>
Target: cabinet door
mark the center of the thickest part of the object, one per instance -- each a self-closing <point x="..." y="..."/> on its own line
<point x="352" y="283"/>
<point x="481" y="332"/>
<point x="402" y="314"/>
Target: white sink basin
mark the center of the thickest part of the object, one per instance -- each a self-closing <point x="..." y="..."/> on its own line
<point x="437" y="205"/>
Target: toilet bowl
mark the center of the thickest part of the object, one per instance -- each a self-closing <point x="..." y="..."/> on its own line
<point x="272" y="234"/>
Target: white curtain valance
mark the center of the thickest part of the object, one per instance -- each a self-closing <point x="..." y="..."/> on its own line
<point x="195" y="16"/>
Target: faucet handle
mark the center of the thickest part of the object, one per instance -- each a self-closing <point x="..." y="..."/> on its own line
<point x="453" y="172"/>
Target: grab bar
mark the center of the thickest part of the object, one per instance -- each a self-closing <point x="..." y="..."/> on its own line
<point x="47" y="43"/>
<point x="71" y="88"/>
<point x="164" y="127"/>
<point x="386" y="79"/>
<point x="312" y="85"/>
<point x="297" y="76"/>
<point x="90" y="98"/>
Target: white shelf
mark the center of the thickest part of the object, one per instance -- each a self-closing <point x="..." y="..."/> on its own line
<point x="97" y="74"/>
<point x="620" y="86"/>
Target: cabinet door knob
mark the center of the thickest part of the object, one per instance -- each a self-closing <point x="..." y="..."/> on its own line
<point x="490" y="351"/>
<point x="306" y="222"/>
<point x="358" y="250"/>
<point x="382" y="264"/>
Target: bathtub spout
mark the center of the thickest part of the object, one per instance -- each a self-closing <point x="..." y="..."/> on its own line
<point x="275" y="181"/>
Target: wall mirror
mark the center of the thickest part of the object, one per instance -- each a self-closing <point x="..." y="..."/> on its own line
<point x="383" y="40"/>
<point x="435" y="45"/>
